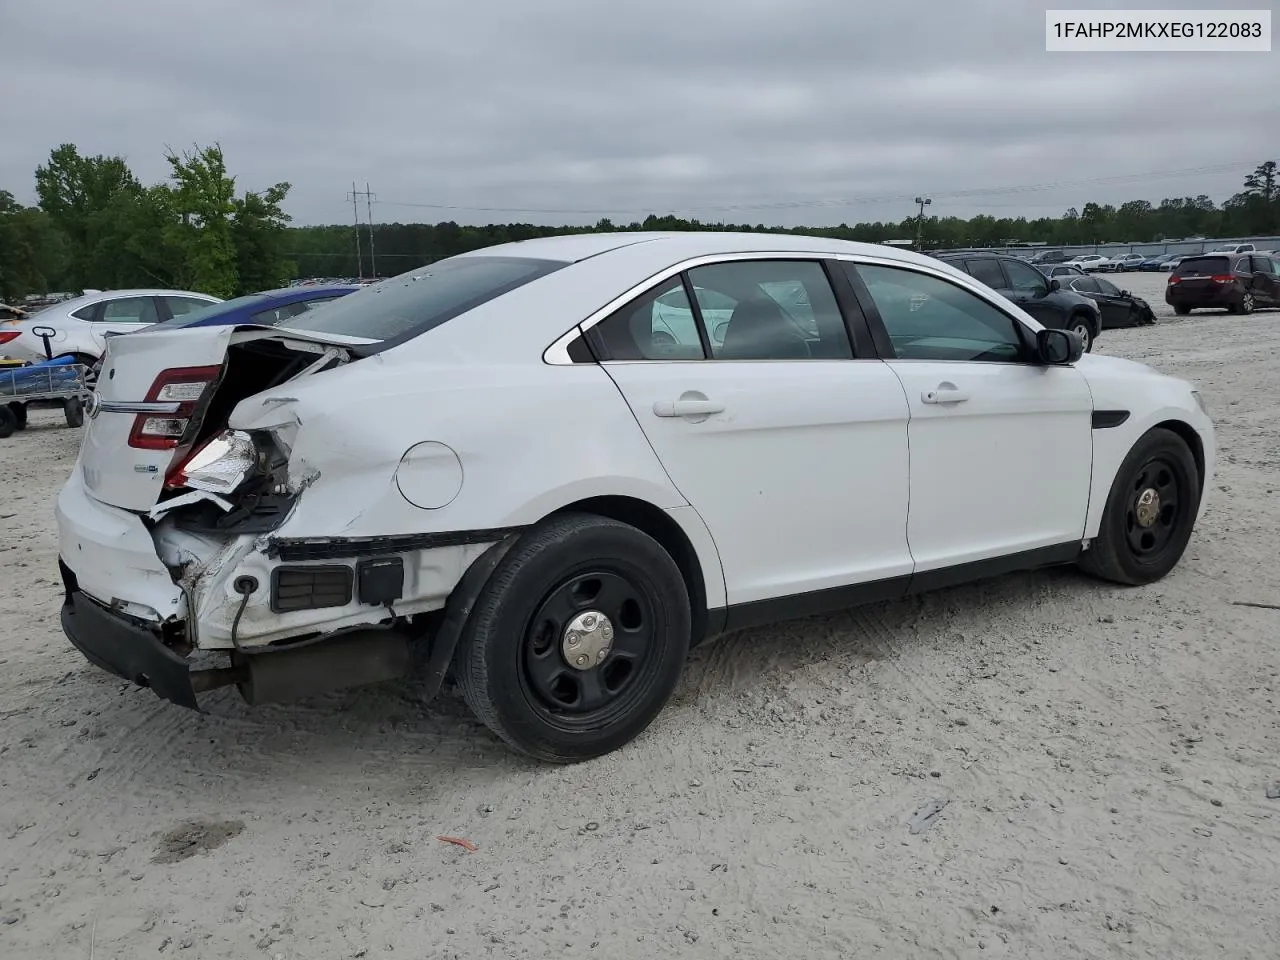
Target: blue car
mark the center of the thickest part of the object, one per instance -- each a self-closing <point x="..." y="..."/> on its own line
<point x="267" y="308"/>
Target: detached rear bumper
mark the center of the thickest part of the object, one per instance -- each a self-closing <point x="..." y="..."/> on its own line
<point x="121" y="646"/>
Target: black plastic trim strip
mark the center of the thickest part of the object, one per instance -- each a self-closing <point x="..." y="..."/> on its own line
<point x="293" y="549"/>
<point x="817" y="602"/>
<point x="1106" y="419"/>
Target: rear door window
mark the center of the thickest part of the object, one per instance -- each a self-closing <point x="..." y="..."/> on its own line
<point x="1085" y="285"/>
<point x="988" y="272"/>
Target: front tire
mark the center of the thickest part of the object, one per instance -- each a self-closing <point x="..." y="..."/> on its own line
<point x="577" y="640"/>
<point x="1149" y="514"/>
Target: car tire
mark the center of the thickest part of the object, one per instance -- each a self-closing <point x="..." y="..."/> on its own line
<point x="515" y="663"/>
<point x="73" y="411"/>
<point x="1083" y="328"/>
<point x="1246" y="304"/>
<point x="8" y="423"/>
<point x="1149" y="513"/>
<point x="1182" y="311"/>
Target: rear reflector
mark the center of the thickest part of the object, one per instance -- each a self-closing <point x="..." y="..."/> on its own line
<point x="182" y="386"/>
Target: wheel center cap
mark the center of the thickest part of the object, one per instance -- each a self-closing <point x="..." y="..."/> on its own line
<point x="1148" y="507"/>
<point x="587" y="640"/>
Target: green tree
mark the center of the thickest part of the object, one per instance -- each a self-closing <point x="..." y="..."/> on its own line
<point x="259" y="232"/>
<point x="203" y="197"/>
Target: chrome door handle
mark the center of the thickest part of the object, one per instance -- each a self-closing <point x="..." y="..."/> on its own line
<point x="686" y="408"/>
<point x="944" y="393"/>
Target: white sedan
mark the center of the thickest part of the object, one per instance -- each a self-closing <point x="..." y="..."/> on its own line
<point x="508" y="461"/>
<point x="1090" y="261"/>
<point x="77" y="328"/>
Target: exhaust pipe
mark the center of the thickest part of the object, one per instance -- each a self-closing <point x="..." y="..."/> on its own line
<point x="355" y="659"/>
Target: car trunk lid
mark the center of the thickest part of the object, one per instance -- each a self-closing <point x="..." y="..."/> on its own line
<point x="162" y="391"/>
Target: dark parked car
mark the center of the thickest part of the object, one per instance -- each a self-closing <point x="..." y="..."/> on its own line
<point x="1040" y="296"/>
<point x="1061" y="270"/>
<point x="1152" y="263"/>
<point x="1120" y="308"/>
<point x="1236" y="282"/>
<point x="1049" y="256"/>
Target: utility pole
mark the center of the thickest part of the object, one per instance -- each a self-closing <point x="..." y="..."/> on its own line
<point x="355" y="212"/>
<point x="920" y="219"/>
<point x="373" y="260"/>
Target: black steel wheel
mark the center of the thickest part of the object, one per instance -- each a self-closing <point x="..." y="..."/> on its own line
<point x="577" y="640"/>
<point x="1149" y="513"/>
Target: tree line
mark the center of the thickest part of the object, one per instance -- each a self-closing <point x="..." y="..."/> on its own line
<point x="97" y="226"/>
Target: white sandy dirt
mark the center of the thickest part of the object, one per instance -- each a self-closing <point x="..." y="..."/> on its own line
<point x="1103" y="755"/>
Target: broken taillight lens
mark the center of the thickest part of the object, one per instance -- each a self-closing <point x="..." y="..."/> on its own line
<point x="220" y="466"/>
<point x="183" y="386"/>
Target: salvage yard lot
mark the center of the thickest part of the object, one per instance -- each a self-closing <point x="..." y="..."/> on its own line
<point x="1103" y="753"/>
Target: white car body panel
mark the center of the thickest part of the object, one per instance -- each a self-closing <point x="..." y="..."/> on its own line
<point x="810" y="457"/>
<point x="1004" y="471"/>
<point x="786" y="478"/>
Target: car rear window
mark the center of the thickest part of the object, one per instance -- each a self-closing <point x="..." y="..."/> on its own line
<point x="1209" y="266"/>
<point x="213" y="310"/>
<point x="412" y="303"/>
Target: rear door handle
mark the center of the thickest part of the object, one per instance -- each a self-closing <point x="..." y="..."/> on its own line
<point x="687" y="408"/>
<point x="944" y="393"/>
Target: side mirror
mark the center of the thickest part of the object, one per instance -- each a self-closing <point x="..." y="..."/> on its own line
<point x="1058" y="347"/>
<point x="1054" y="284"/>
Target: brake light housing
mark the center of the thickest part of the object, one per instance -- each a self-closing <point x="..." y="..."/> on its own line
<point x="1174" y="280"/>
<point x="7" y="335"/>
<point x="1222" y="278"/>
<point x="175" y="395"/>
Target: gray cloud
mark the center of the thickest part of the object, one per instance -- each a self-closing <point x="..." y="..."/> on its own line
<point x="755" y="110"/>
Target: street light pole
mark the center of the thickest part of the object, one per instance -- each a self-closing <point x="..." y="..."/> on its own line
<point x="920" y="219"/>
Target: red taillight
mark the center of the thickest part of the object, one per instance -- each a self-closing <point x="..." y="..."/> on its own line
<point x="1222" y="278"/>
<point x="1173" y="279"/>
<point x="7" y="335"/>
<point x="182" y="386"/>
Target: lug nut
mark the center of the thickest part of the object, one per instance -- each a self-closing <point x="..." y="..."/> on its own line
<point x="589" y="622"/>
<point x="582" y="660"/>
<point x="573" y="639"/>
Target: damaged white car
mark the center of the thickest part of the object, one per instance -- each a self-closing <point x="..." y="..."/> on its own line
<point x="507" y="461"/>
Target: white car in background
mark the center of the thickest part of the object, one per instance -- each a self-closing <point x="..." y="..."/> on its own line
<point x="497" y="459"/>
<point x="1089" y="261"/>
<point x="77" y="327"/>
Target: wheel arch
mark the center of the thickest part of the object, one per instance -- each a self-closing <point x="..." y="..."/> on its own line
<point x="1191" y="437"/>
<point x="669" y="533"/>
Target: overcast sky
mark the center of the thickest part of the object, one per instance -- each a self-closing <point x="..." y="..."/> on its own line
<point x="564" y="111"/>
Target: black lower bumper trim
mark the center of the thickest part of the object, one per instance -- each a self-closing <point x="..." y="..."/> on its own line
<point x="294" y="549"/>
<point x="120" y="646"/>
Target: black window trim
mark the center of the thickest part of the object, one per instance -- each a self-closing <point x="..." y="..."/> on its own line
<point x="885" y="344"/>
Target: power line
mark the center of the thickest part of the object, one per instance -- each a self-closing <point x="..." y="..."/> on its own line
<point x="369" y="199"/>
<point x="977" y="192"/>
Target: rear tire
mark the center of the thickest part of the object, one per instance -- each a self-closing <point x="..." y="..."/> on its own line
<point x="1182" y="311"/>
<point x="1246" y="304"/>
<point x="19" y="411"/>
<point x="8" y="423"/>
<point x="73" y="410"/>
<point x="1149" y="514"/>
<point x="522" y="666"/>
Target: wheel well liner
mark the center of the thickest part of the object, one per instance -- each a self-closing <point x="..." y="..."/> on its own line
<point x="658" y="524"/>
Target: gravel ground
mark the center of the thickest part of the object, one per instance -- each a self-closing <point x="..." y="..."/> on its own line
<point x="1101" y="757"/>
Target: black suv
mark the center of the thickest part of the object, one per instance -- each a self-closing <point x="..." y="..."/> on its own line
<point x="1237" y="282"/>
<point x="1043" y="298"/>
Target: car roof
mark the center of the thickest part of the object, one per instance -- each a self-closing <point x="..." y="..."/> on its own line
<point x="684" y="244"/>
<point x="86" y="298"/>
